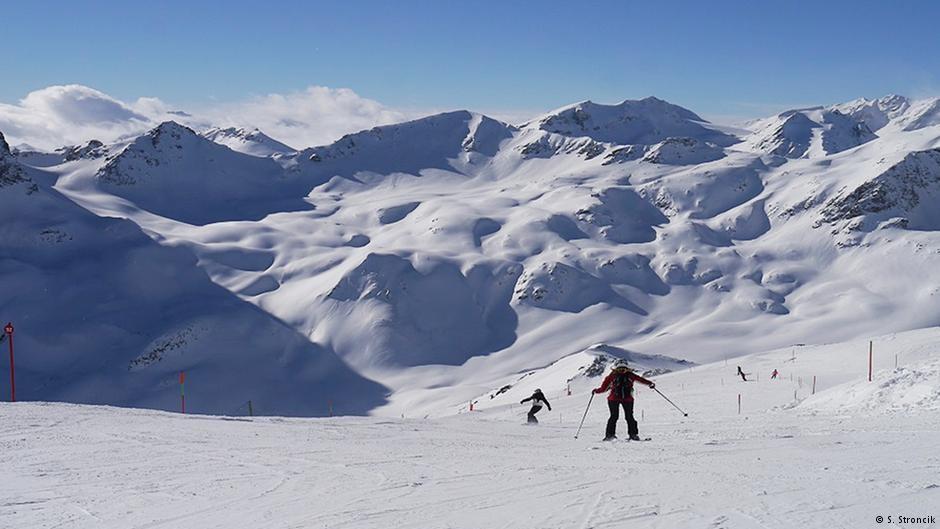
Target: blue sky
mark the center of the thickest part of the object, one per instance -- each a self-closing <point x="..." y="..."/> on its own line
<point x="719" y="58"/>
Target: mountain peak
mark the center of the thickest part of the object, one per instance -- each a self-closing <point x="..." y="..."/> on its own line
<point x="4" y="147"/>
<point x="10" y="171"/>
<point x="171" y="127"/>
<point x="247" y="141"/>
<point x="645" y="121"/>
<point x="875" y="113"/>
<point x="791" y="133"/>
<point x="418" y="144"/>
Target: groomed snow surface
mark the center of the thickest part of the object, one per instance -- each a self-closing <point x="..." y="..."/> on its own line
<point x="853" y="451"/>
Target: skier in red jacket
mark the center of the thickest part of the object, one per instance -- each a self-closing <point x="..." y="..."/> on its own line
<point x="620" y="382"/>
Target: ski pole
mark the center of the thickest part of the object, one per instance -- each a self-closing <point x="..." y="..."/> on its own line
<point x="684" y="414"/>
<point x="585" y="415"/>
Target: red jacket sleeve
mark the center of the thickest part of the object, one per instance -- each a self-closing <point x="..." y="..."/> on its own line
<point x="640" y="379"/>
<point x="605" y="384"/>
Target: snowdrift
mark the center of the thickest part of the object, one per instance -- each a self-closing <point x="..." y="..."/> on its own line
<point x="907" y="389"/>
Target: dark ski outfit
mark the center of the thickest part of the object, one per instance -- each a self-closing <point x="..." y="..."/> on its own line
<point x="538" y="400"/>
<point x="774" y="374"/>
<point x="741" y="373"/>
<point x="620" y="381"/>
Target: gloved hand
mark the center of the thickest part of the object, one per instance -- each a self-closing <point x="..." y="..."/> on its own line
<point x="652" y="385"/>
<point x="597" y="390"/>
<point x="521" y="402"/>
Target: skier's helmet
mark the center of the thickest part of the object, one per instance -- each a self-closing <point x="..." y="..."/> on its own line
<point x="621" y="365"/>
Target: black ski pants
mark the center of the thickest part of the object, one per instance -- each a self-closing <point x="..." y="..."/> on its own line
<point x="532" y="412"/>
<point x="633" y="428"/>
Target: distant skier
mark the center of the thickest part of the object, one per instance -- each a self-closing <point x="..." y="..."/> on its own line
<point x="538" y="400"/>
<point x="741" y="373"/>
<point x="774" y="374"/>
<point x="620" y="382"/>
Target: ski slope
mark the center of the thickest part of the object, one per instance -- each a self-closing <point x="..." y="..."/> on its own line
<point x="782" y="462"/>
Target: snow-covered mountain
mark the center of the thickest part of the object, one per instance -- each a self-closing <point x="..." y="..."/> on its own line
<point x="646" y="121"/>
<point x="247" y="141"/>
<point x="104" y="314"/>
<point x="875" y="113"/>
<point x="809" y="133"/>
<point x="443" y="256"/>
<point x="173" y="172"/>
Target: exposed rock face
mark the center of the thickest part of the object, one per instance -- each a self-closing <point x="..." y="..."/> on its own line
<point x="10" y="171"/>
<point x="907" y="192"/>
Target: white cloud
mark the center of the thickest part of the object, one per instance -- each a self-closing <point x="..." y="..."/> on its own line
<point x="315" y="116"/>
<point x="72" y="114"/>
<point x="59" y="115"/>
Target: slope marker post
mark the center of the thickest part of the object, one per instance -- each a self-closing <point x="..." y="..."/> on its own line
<point x="871" y="347"/>
<point x="8" y="329"/>
<point x="182" y="391"/>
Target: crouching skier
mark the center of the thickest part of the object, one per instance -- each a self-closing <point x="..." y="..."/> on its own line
<point x="620" y="382"/>
<point x="538" y="400"/>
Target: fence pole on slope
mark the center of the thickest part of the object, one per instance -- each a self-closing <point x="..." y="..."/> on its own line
<point x="251" y="411"/>
<point x="871" y="347"/>
<point x="182" y="391"/>
<point x="739" y="404"/>
<point x="895" y="360"/>
<point x="814" y="384"/>
<point x="8" y="329"/>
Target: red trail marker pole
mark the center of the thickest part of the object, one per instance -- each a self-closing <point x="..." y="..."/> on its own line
<point x="182" y="391"/>
<point x="8" y="329"/>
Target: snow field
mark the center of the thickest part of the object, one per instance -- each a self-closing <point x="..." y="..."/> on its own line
<point x="776" y="465"/>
